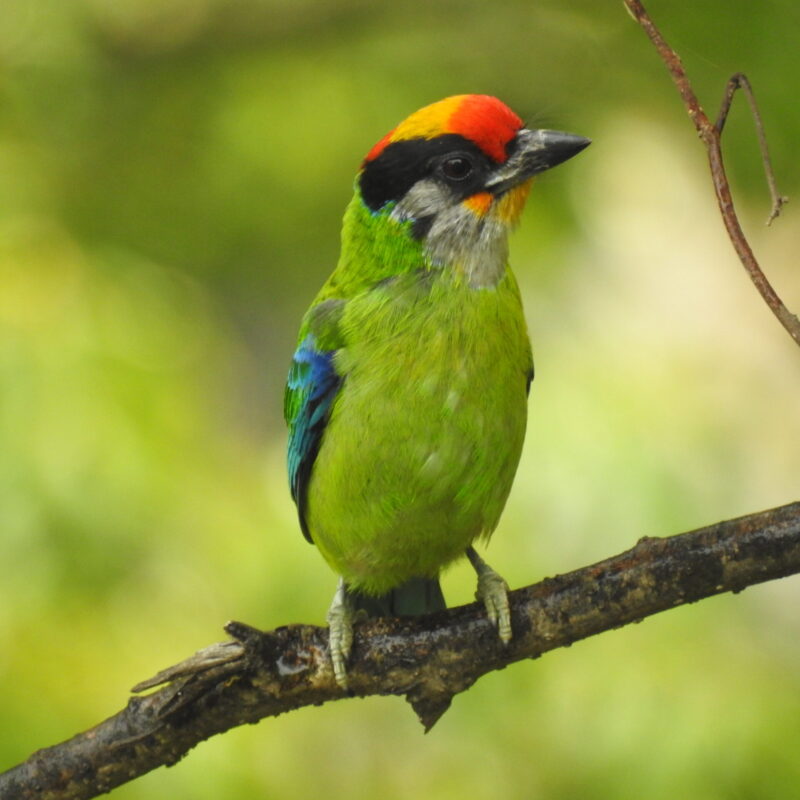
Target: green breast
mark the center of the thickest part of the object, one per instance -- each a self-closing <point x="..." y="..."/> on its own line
<point x="424" y="438"/>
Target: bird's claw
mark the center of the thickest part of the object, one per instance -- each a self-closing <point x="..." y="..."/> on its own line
<point x="493" y="591"/>
<point x="340" y="636"/>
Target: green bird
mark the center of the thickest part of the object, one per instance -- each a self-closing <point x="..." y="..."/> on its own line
<point x="407" y="396"/>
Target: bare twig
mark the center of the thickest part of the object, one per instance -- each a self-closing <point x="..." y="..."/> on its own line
<point x="426" y="659"/>
<point x="711" y="135"/>
<point x="740" y="81"/>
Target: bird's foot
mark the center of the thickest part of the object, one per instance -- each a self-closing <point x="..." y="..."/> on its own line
<point x="340" y="637"/>
<point x="493" y="591"/>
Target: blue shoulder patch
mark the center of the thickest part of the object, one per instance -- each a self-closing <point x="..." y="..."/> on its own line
<point x="310" y="391"/>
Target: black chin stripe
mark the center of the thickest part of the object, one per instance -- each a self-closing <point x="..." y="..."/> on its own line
<point x="402" y="164"/>
<point x="421" y="226"/>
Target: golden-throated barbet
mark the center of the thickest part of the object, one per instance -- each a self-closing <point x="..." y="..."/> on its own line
<point x="408" y="392"/>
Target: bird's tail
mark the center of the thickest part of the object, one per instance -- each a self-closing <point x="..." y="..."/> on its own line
<point x="412" y="598"/>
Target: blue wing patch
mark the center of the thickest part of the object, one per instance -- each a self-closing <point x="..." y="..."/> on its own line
<point x="310" y="391"/>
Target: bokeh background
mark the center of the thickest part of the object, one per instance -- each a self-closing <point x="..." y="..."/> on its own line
<point x="172" y="178"/>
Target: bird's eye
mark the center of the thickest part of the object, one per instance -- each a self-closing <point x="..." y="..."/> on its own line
<point x="457" y="168"/>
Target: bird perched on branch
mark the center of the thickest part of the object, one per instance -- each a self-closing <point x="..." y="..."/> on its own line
<point x="407" y="396"/>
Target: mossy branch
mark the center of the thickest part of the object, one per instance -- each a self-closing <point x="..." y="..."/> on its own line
<point x="428" y="660"/>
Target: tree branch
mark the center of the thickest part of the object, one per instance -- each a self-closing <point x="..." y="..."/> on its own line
<point x="711" y="134"/>
<point x="427" y="659"/>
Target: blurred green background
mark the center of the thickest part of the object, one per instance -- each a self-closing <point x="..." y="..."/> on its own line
<point x="172" y="178"/>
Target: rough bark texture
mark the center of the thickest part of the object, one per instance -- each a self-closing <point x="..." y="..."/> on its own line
<point x="428" y="660"/>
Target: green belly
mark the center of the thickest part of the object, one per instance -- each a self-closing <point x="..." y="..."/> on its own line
<point x="421" y="448"/>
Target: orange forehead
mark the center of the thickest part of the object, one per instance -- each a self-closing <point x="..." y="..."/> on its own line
<point x="482" y="119"/>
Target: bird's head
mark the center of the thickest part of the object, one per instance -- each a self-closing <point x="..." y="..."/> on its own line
<point x="459" y="171"/>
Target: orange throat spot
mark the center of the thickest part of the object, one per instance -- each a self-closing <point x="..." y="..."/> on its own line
<point x="510" y="205"/>
<point x="507" y="209"/>
<point x="479" y="203"/>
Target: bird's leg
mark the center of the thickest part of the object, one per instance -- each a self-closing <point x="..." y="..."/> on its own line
<point x="340" y="637"/>
<point x="493" y="590"/>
